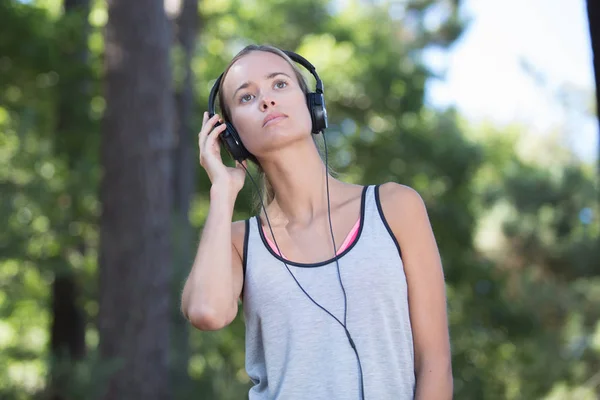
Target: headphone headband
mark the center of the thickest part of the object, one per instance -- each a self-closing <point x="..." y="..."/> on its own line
<point x="314" y="100"/>
<point x="306" y="64"/>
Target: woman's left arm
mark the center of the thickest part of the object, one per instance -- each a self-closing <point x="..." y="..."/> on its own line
<point x="407" y="217"/>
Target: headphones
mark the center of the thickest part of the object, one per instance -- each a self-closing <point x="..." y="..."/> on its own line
<point x="314" y="100"/>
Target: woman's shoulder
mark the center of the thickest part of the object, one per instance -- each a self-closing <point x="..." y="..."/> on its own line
<point x="238" y="227"/>
<point x="400" y="202"/>
<point x="238" y="234"/>
<point x="395" y="191"/>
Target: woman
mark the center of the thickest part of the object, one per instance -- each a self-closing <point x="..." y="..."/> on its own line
<point x="362" y="320"/>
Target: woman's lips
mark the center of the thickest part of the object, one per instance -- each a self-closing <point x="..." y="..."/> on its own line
<point x="273" y="118"/>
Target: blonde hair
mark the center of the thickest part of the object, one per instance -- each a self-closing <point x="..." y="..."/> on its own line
<point x="267" y="192"/>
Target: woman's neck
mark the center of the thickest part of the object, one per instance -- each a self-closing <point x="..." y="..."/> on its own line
<point x="298" y="177"/>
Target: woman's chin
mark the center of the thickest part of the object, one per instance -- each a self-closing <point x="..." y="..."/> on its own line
<point x="279" y="139"/>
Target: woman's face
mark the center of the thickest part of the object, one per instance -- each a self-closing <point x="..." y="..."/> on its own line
<point x="266" y="103"/>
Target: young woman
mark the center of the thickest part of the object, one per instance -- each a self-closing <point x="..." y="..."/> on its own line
<point x="342" y="286"/>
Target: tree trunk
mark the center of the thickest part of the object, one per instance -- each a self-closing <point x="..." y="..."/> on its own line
<point x="67" y="332"/>
<point x="184" y="14"/>
<point x="135" y="249"/>
<point x="593" y="11"/>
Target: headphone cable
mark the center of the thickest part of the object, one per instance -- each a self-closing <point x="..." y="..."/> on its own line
<point x="362" y="389"/>
<point x="344" y="324"/>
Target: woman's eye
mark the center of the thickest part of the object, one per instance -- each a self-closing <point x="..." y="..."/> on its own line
<point x="280" y="84"/>
<point x="245" y="98"/>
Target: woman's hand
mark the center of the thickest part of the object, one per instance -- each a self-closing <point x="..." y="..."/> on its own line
<point x="210" y="157"/>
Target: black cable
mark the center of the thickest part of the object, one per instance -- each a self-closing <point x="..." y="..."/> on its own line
<point x="362" y="388"/>
<point x="352" y="344"/>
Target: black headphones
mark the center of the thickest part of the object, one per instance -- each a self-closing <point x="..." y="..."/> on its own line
<point x="314" y="100"/>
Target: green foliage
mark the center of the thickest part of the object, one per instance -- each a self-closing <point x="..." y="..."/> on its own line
<point x="519" y="246"/>
<point x="48" y="201"/>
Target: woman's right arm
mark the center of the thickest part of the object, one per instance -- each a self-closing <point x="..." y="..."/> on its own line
<point x="211" y="291"/>
<point x="213" y="287"/>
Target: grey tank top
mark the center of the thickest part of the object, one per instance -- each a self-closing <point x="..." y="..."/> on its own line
<point x="295" y="350"/>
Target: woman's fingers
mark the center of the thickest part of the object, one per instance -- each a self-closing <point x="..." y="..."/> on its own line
<point x="211" y="138"/>
<point x="207" y="127"/>
<point x="210" y="150"/>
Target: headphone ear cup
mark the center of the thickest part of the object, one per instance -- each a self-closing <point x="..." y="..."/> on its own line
<point x="318" y="112"/>
<point x="233" y="144"/>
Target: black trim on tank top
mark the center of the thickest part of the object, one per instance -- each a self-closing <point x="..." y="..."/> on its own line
<point x="245" y="253"/>
<point x="320" y="263"/>
<point x="384" y="220"/>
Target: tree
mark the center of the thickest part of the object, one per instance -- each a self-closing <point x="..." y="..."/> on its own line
<point x="135" y="249"/>
<point x="184" y="15"/>
<point x="68" y="317"/>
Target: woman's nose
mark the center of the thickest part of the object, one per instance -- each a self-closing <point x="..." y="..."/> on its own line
<point x="266" y="103"/>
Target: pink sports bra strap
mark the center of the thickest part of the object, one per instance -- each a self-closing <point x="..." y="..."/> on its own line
<point x="347" y="242"/>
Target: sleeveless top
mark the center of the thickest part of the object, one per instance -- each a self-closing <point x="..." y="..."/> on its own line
<point x="296" y="351"/>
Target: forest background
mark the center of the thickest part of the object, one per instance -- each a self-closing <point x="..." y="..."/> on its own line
<point x="104" y="201"/>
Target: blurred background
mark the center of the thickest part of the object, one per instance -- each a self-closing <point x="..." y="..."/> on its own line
<point x="487" y="108"/>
